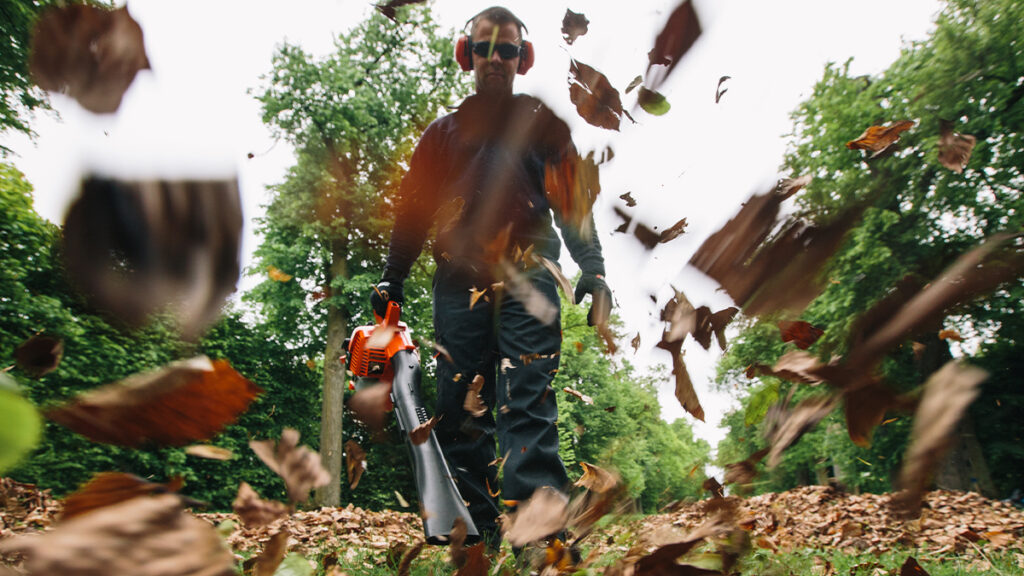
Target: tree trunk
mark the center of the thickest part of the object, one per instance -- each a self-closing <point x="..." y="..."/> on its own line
<point x="964" y="467"/>
<point x="331" y="412"/>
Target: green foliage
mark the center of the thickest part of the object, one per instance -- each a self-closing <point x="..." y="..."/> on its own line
<point x="22" y="425"/>
<point x="922" y="216"/>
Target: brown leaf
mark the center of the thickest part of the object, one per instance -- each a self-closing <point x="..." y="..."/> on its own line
<point x="457" y="541"/>
<point x="628" y="199"/>
<point x="648" y="237"/>
<point x="536" y="303"/>
<point x="877" y="138"/>
<point x="135" y="249"/>
<point x="183" y="402"/>
<point x="277" y="275"/>
<point x="865" y="408"/>
<point x="911" y="568"/>
<point x="954" y="148"/>
<point x="474" y="403"/>
<point x="476" y="562"/>
<point x="388" y="8"/>
<point x="596" y="479"/>
<point x="298" y="466"/>
<point x="685" y="393"/>
<point x="209" y="452"/>
<point x="583" y="397"/>
<point x="109" y="488"/>
<point x="421" y="433"/>
<point x="663" y="560"/>
<point x="572" y="184"/>
<point x="708" y="324"/>
<point x="596" y="100"/>
<point x="635" y="343"/>
<point x="442" y="352"/>
<point x="560" y="279"/>
<point x="950" y="335"/>
<point x="680" y="32"/>
<point x="272" y="555"/>
<point x="719" y="91"/>
<point x="355" y="463"/>
<point x="763" y="275"/>
<point x="544" y="514"/>
<point x="681" y="317"/>
<point x="573" y="26"/>
<point x="475" y="296"/>
<point x="254" y="511"/>
<point x="790" y="186"/>
<point x="712" y="485"/>
<point x="371" y="405"/>
<point x="743" y="472"/>
<point x="143" y="536"/>
<point x="88" y="53"/>
<point x="947" y="394"/>
<point x="39" y="355"/>
<point x="406" y="564"/>
<point x="801" y="333"/>
<point x="791" y="425"/>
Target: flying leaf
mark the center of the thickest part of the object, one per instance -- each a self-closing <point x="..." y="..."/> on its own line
<point x="474" y="403"/>
<point x="109" y="488"/>
<point x="276" y="275"/>
<point x="135" y="249"/>
<point x="712" y="485"/>
<point x="39" y="355"/>
<point x="254" y="511"/>
<point x="648" y="237"/>
<point x="635" y="343"/>
<point x="475" y="296"/>
<point x="476" y="562"/>
<point x="88" y="53"/>
<point x="634" y="83"/>
<point x="596" y="100"/>
<point x="680" y="32"/>
<point x="583" y="397"/>
<point x="743" y="472"/>
<point x="950" y="335"/>
<point x="355" y="463"/>
<point x="556" y="272"/>
<point x="708" y="324"/>
<point x="628" y="198"/>
<point x="801" y="333"/>
<point x="719" y="91"/>
<point x="911" y="567"/>
<point x="652" y="102"/>
<point x="685" y="393"/>
<point x="388" y="8"/>
<point x="519" y="287"/>
<point x="789" y="425"/>
<point x="209" y="452"/>
<point x="183" y="402"/>
<point x="865" y="408"/>
<point x="371" y="405"/>
<point x="543" y="514"/>
<point x="954" y="148"/>
<point x="272" y="554"/>
<point x="596" y="479"/>
<point x="573" y="26"/>
<point x="22" y="426"/>
<point x="790" y="186"/>
<point x="878" y="138"/>
<point x="681" y="317"/>
<point x="947" y="394"/>
<point x="298" y="466"/>
<point x="143" y="536"/>
<point x="421" y="433"/>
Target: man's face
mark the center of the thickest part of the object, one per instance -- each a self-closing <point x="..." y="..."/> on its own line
<point x="495" y="75"/>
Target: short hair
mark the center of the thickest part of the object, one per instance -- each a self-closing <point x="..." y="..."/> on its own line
<point x="499" y="15"/>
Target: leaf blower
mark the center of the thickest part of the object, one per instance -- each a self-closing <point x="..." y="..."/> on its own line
<point x="385" y="352"/>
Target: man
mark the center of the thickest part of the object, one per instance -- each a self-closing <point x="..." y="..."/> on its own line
<point x="479" y="174"/>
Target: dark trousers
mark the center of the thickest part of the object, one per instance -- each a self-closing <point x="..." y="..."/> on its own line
<point x="517" y="355"/>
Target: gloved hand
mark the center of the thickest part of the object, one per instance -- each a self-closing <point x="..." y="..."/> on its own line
<point x="600" y="295"/>
<point x="384" y="292"/>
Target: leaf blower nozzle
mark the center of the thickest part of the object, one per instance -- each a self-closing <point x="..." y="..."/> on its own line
<point x="397" y="360"/>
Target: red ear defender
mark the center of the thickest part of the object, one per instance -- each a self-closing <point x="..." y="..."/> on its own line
<point x="525" y="57"/>
<point x="464" y="54"/>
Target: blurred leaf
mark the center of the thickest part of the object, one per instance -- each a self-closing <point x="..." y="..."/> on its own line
<point x="652" y="102"/>
<point x="109" y="488"/>
<point x="680" y="32"/>
<point x="760" y="400"/>
<point x="294" y="564"/>
<point x="573" y="26"/>
<point x="39" y="355"/>
<point x="878" y="138"/>
<point x="22" y="426"/>
<point x="298" y="466"/>
<point x="596" y="100"/>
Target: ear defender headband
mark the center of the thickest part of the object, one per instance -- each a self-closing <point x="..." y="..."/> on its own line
<point x="464" y="47"/>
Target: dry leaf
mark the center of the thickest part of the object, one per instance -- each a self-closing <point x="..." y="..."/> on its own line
<point x="39" y="355"/>
<point x="544" y="514"/>
<point x="635" y="343"/>
<point x="272" y="555"/>
<point x="792" y="424"/>
<point x="564" y="283"/>
<point x="254" y="511"/>
<point x="954" y="148"/>
<point x="712" y="324"/>
<point x="712" y="485"/>
<point x="474" y="403"/>
<point x="681" y="317"/>
<point x="183" y="402"/>
<point x="801" y="333"/>
<point x="135" y="249"/>
<point x="596" y="479"/>
<point x="648" y="237"/>
<point x="355" y="463"/>
<point x="298" y="466"/>
<point x="685" y="393"/>
<point x="947" y="394"/>
<point x="534" y="301"/>
<point x="475" y="296"/>
<point x="371" y="405"/>
<point x="276" y="275"/>
<point x="878" y="138"/>
<point x="476" y="562"/>
<point x="88" y="53"/>
<point x="910" y="567"/>
<point x="950" y="335"/>
<point x="109" y="488"/>
<point x="410" y="554"/>
<point x="743" y="472"/>
<point x="790" y="186"/>
<point x="421" y="433"/>
<point x="388" y="8"/>
<point x="596" y="100"/>
<point x="719" y="91"/>
<point x="573" y="26"/>
<point x="628" y="199"/>
<point x="680" y="32"/>
<point x="144" y="536"/>
<point x="865" y="408"/>
<point x="583" y="397"/>
<point x="209" y="452"/>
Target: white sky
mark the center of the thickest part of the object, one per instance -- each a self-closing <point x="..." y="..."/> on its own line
<point x="191" y="116"/>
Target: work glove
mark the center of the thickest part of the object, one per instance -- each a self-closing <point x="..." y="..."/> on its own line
<point x="384" y="292"/>
<point x="600" y="298"/>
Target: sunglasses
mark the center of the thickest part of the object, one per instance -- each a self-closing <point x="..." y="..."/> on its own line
<point x="505" y="51"/>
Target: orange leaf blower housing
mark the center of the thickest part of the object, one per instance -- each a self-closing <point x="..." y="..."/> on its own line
<point x="375" y="362"/>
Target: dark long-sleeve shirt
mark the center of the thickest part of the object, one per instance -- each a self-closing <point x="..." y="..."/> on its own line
<point x="480" y="173"/>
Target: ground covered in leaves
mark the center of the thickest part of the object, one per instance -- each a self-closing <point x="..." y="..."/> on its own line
<point x="808" y="518"/>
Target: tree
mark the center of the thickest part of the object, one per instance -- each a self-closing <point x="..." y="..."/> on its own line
<point x="964" y="79"/>
<point x="354" y="118"/>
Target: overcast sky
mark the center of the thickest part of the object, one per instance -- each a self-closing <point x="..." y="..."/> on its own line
<point x="191" y="116"/>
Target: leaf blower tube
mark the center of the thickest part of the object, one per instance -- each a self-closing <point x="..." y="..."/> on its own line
<point x="399" y="361"/>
